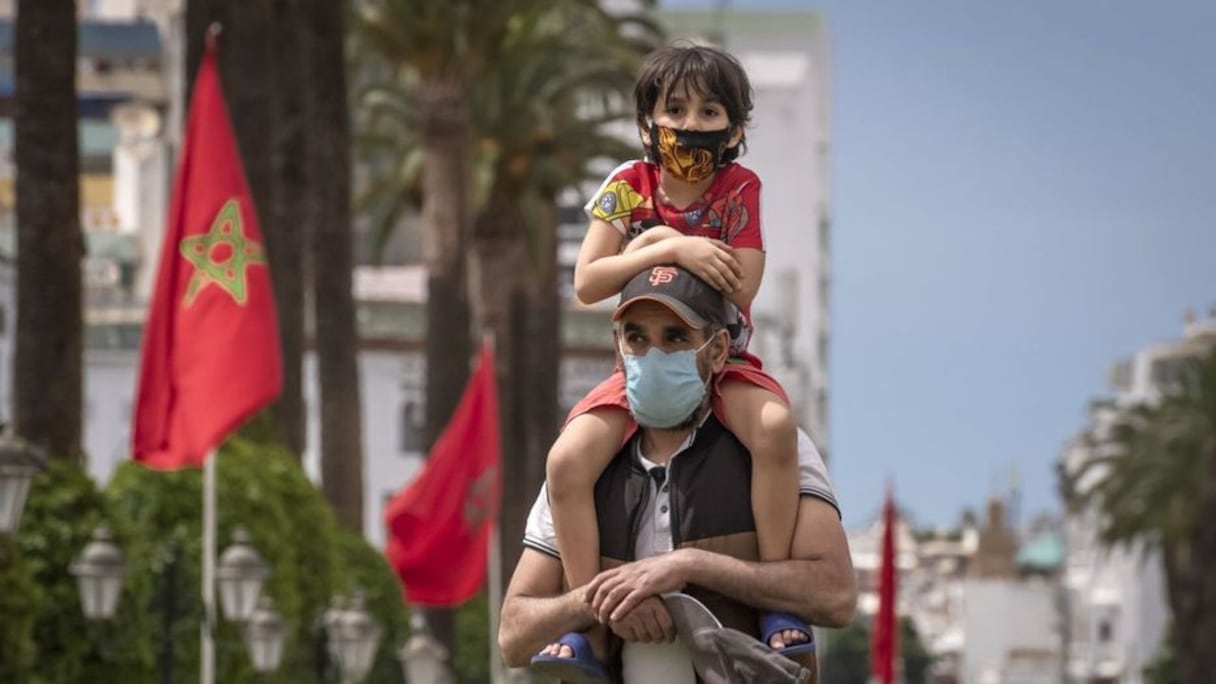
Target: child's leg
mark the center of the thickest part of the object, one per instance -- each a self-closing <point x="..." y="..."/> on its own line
<point x="762" y="422"/>
<point x="583" y="449"/>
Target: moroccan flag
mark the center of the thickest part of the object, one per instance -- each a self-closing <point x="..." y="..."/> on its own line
<point x="211" y="342"/>
<point x="884" y="636"/>
<point x="439" y="526"/>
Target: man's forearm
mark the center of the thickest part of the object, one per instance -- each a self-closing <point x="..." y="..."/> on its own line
<point x="530" y="623"/>
<point x="818" y="591"/>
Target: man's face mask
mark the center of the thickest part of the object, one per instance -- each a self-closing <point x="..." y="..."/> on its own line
<point x="663" y="388"/>
<point x="690" y="156"/>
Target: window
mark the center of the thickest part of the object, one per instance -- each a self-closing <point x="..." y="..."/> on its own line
<point x="1105" y="632"/>
<point x="413" y="422"/>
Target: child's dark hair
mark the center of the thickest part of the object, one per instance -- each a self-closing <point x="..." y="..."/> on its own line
<point x="706" y="71"/>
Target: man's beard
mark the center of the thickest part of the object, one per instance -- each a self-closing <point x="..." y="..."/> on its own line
<point x="694" y="418"/>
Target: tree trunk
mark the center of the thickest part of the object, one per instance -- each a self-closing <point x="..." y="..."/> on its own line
<point x="337" y="340"/>
<point x="1192" y="590"/>
<point x="287" y="217"/>
<point x="535" y="334"/>
<point x="245" y="72"/>
<point x="445" y="209"/>
<point x="501" y="309"/>
<point x="50" y="326"/>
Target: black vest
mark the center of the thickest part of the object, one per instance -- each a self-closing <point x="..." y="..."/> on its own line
<point x="711" y="508"/>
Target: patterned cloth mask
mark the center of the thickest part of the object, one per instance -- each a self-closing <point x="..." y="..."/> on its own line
<point x="691" y="156"/>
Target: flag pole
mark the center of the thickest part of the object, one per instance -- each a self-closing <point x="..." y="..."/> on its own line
<point x="207" y="641"/>
<point x="494" y="561"/>
<point x="207" y="651"/>
<point x="494" y="574"/>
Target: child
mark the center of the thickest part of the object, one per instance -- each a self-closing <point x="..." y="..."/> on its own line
<point x="688" y="203"/>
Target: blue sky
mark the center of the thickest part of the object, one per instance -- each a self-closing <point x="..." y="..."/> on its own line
<point x="1024" y="192"/>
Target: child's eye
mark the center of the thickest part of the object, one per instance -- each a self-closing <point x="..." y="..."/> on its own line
<point x="674" y="110"/>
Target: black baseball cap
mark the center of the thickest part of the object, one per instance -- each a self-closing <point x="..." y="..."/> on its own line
<point x="695" y="301"/>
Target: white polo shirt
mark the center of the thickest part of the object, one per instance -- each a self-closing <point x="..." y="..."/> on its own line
<point x="667" y="663"/>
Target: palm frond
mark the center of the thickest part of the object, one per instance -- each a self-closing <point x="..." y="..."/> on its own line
<point x="1154" y="463"/>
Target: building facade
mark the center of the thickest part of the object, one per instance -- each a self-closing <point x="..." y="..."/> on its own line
<point x="1116" y="608"/>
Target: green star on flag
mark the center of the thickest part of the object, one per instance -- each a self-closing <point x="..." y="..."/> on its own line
<point x="222" y="255"/>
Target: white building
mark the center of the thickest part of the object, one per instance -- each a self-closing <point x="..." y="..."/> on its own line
<point x="983" y="602"/>
<point x="1116" y="604"/>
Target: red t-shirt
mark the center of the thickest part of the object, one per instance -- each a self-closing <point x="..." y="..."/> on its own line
<point x="729" y="211"/>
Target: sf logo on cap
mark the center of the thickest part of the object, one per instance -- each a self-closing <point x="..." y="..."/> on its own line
<point x="661" y="275"/>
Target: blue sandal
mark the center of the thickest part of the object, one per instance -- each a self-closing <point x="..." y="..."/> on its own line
<point x="779" y="622"/>
<point x="581" y="668"/>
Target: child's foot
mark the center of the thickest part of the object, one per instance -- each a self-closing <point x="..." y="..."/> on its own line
<point x="786" y="634"/>
<point x="787" y="637"/>
<point x="571" y="659"/>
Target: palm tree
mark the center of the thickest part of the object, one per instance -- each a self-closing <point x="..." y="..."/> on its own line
<point x="509" y="75"/>
<point x="538" y="137"/>
<point x="530" y="143"/>
<point x="329" y="181"/>
<point x="1156" y="489"/>
<point x="50" y="326"/>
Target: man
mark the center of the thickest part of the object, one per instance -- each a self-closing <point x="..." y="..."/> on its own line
<point x="678" y="500"/>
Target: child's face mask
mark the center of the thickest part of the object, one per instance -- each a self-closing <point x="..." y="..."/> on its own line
<point x="690" y="156"/>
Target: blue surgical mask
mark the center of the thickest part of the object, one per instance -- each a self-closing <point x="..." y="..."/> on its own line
<point x="663" y="388"/>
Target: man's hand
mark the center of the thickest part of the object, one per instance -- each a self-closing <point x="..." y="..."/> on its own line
<point x="649" y="622"/>
<point x="614" y="593"/>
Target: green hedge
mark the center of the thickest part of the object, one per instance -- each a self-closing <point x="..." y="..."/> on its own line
<point x="156" y="516"/>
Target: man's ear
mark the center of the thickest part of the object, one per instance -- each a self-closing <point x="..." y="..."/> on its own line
<point x="719" y="350"/>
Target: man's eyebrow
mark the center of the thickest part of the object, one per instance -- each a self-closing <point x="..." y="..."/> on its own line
<point x="672" y="329"/>
<point x="631" y="327"/>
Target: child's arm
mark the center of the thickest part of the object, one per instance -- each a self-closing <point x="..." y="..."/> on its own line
<point x="751" y="265"/>
<point x="603" y="268"/>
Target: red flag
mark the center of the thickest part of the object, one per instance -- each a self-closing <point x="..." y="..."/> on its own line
<point x="439" y="525"/>
<point x="884" y="637"/>
<point x="211" y="342"/>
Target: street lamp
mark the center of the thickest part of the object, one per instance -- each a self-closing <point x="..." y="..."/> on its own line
<point x="330" y="620"/>
<point x="99" y="571"/>
<point x="241" y="573"/>
<point x="264" y="635"/>
<point x="19" y="462"/>
<point x="356" y="638"/>
<point x="423" y="658"/>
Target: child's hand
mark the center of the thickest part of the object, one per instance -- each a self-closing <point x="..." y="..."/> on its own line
<point x="712" y="260"/>
<point x="650" y="236"/>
